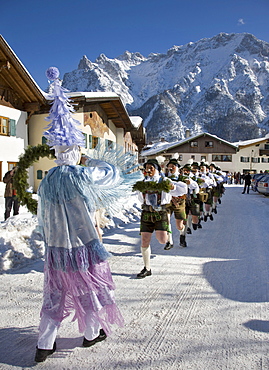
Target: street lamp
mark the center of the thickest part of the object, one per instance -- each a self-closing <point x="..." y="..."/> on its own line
<point x="250" y="165"/>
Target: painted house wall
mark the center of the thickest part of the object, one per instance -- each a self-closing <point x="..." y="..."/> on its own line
<point x="251" y="153"/>
<point x="11" y="147"/>
<point x="89" y="125"/>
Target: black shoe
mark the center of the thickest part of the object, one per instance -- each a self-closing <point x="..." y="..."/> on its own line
<point x="214" y="210"/>
<point x="182" y="241"/>
<point x="219" y="201"/>
<point x="88" y="343"/>
<point x="188" y="230"/>
<point x="42" y="354"/>
<point x="194" y="226"/>
<point x="168" y="246"/>
<point x="143" y="273"/>
<point x="199" y="225"/>
<point x="211" y="217"/>
<point x="205" y="218"/>
<point x="243" y="192"/>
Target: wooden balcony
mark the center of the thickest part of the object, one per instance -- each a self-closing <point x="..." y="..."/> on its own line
<point x="263" y="152"/>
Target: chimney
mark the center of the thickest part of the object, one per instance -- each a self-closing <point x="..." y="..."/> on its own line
<point x="187" y="133"/>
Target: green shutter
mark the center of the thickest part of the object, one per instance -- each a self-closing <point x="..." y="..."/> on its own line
<point x="44" y="140"/>
<point x="39" y="174"/>
<point x="86" y="141"/>
<point x="12" y="127"/>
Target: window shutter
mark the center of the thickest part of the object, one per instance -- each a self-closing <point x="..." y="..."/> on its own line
<point x="39" y="174"/>
<point x="86" y="141"/>
<point x="90" y="141"/>
<point x="44" y="140"/>
<point x="12" y="127"/>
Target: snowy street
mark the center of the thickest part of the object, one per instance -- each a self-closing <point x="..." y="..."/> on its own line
<point x="205" y="307"/>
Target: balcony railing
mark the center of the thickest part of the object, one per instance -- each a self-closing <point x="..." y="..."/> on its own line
<point x="264" y="152"/>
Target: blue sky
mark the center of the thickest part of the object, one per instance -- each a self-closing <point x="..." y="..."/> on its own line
<point x="58" y="33"/>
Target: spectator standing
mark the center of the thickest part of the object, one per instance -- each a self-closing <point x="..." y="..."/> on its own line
<point x="11" y="200"/>
<point x="247" y="182"/>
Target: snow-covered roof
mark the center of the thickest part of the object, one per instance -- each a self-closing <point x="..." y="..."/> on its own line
<point x="251" y="141"/>
<point x="94" y="94"/>
<point x="136" y="121"/>
<point x="157" y="148"/>
<point x="161" y="146"/>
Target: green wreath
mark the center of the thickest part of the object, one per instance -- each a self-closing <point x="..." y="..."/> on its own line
<point x="152" y="186"/>
<point x="26" y="160"/>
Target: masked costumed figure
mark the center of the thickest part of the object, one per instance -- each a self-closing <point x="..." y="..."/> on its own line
<point x="77" y="276"/>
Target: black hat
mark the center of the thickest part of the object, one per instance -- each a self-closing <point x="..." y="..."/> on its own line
<point x="212" y="164"/>
<point x="195" y="165"/>
<point x="203" y="163"/>
<point x="187" y="166"/>
<point x="174" y="162"/>
<point x="154" y="163"/>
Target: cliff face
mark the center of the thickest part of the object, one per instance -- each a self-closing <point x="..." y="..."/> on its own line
<point x="219" y="85"/>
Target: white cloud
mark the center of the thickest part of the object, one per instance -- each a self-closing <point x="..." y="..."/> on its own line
<point x="240" y="22"/>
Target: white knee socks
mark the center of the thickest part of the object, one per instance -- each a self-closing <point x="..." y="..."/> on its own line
<point x="146" y="252"/>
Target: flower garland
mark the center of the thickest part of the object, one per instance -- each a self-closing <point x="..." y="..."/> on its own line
<point x="31" y="155"/>
<point x="152" y="186"/>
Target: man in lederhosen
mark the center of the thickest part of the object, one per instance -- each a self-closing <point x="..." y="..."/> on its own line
<point x="155" y="193"/>
<point x="177" y="205"/>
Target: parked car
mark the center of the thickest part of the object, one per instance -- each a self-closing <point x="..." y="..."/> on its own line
<point x="263" y="185"/>
<point x="255" y="180"/>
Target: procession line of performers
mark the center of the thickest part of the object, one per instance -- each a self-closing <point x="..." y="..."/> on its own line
<point x="190" y="193"/>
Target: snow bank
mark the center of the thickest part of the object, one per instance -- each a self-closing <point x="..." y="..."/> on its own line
<point x="20" y="242"/>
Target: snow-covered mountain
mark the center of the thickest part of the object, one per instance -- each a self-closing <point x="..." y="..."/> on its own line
<point x="219" y="85"/>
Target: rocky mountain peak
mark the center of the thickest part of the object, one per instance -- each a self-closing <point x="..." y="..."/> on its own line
<point x="218" y="84"/>
<point x="85" y="63"/>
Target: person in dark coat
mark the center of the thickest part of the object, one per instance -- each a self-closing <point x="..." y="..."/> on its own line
<point x="247" y="182"/>
<point x="10" y="196"/>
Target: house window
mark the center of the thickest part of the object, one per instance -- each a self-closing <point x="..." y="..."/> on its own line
<point x="4" y="126"/>
<point x="7" y="126"/>
<point x="221" y="158"/>
<point x="226" y="158"/>
<point x="95" y="141"/>
<point x="244" y="159"/>
<point x="109" y="144"/>
<point x="255" y="160"/>
<point x="194" y="144"/>
<point x="180" y="158"/>
<point x="209" y="144"/>
<point x="265" y="160"/>
<point x="266" y="146"/>
<point x="203" y="158"/>
<point x="39" y="174"/>
<point x="11" y="165"/>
